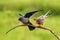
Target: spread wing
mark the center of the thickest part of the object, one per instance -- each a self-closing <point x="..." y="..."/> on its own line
<point x="31" y="13"/>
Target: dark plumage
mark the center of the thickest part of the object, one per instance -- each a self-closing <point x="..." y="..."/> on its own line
<point x="25" y="19"/>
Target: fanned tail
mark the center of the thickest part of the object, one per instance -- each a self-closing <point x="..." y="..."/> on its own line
<point x="48" y="13"/>
<point x="31" y="27"/>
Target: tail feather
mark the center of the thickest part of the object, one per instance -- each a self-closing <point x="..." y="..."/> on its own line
<point x="31" y="27"/>
<point x="48" y="13"/>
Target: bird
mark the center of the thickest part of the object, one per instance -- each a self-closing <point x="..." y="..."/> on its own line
<point x="25" y="20"/>
<point x="41" y="19"/>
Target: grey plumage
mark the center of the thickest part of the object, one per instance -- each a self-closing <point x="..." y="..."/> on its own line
<point x="43" y="17"/>
<point x="25" y="19"/>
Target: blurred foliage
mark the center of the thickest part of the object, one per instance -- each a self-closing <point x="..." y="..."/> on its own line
<point x="22" y="5"/>
<point x="9" y="10"/>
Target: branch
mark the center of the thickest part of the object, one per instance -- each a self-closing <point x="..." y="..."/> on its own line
<point x="14" y="28"/>
<point x="45" y="28"/>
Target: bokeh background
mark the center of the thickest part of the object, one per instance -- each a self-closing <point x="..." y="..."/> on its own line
<point x="9" y="10"/>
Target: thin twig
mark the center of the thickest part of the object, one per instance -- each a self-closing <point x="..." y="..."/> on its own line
<point x="45" y="28"/>
<point x="14" y="28"/>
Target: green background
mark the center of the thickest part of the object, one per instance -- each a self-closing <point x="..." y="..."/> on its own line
<point x="9" y="14"/>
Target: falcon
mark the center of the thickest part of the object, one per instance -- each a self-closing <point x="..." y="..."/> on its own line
<point x="25" y="20"/>
<point x="41" y="19"/>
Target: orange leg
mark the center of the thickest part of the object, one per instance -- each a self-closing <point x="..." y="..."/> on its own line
<point x="40" y="25"/>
